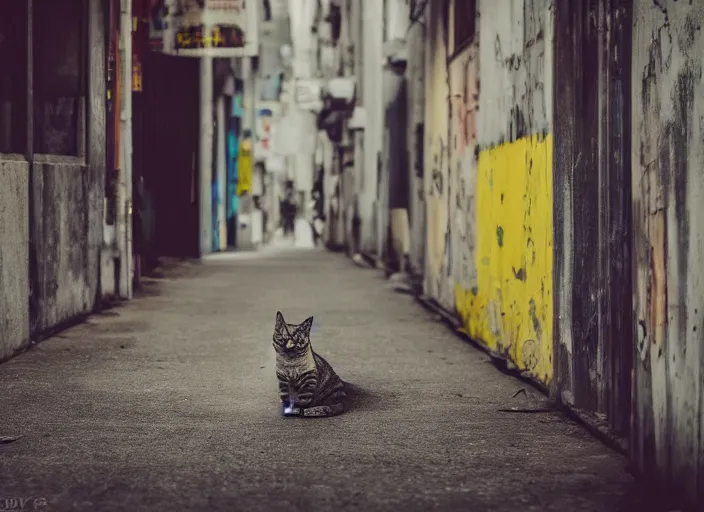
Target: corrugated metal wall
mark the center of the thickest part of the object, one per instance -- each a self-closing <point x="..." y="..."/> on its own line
<point x="593" y="321"/>
<point x="668" y="208"/>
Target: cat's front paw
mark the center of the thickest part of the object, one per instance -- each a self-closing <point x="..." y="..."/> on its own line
<point x="287" y="411"/>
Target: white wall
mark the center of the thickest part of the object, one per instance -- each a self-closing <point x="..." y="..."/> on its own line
<point x="302" y="15"/>
<point x="372" y="41"/>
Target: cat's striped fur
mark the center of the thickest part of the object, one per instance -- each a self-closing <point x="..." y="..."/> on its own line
<point x="308" y="386"/>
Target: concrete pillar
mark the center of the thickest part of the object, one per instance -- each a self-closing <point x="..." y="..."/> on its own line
<point x="221" y="173"/>
<point x="372" y="47"/>
<point x="206" y="155"/>
<point x="124" y="209"/>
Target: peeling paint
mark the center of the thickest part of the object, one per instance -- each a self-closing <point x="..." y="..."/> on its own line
<point x="438" y="284"/>
<point x="593" y="277"/>
<point x="513" y="307"/>
<point x="464" y="102"/>
<point x="489" y="181"/>
<point x="668" y="178"/>
<point x="510" y="307"/>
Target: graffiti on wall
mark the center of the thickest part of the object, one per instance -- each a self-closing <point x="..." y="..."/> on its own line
<point x="501" y="184"/>
<point x="668" y="178"/>
<point x="464" y="94"/>
<point x="438" y="278"/>
<point x="519" y="68"/>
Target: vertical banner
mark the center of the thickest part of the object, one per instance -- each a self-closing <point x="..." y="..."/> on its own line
<point x="244" y="182"/>
<point x="267" y="112"/>
<point x="136" y="72"/>
<point x="211" y="28"/>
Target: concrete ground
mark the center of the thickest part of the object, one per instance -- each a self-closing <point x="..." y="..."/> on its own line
<point x="169" y="402"/>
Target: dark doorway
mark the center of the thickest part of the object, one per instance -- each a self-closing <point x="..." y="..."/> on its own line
<point x="169" y="151"/>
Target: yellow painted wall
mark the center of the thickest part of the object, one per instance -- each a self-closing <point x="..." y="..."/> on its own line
<point x="510" y="310"/>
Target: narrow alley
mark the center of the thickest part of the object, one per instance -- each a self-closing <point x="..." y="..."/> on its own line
<point x="169" y="402"/>
<point x="492" y="210"/>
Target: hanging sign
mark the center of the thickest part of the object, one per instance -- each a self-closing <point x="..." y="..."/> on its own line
<point x="136" y="74"/>
<point x="244" y="177"/>
<point x="211" y="28"/>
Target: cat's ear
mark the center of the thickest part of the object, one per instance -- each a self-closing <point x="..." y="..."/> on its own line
<point x="304" y="328"/>
<point x="280" y="322"/>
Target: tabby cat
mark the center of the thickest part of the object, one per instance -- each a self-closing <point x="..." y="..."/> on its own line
<point x="308" y="386"/>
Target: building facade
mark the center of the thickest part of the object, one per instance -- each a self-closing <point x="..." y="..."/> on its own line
<point x="53" y="162"/>
<point x="552" y="164"/>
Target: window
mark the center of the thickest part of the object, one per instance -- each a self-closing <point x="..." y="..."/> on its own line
<point x="59" y="72"/>
<point x="464" y="17"/>
<point x="43" y="68"/>
<point x="13" y="76"/>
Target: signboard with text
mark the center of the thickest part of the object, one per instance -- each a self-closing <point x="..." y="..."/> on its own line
<point x="267" y="112"/>
<point x="211" y="28"/>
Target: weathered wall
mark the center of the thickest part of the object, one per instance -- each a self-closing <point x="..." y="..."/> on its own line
<point x="503" y="184"/>
<point x="462" y="227"/>
<point x="415" y="74"/>
<point x="437" y="277"/>
<point x="63" y="277"/>
<point x="668" y="192"/>
<point x="67" y="209"/>
<point x="592" y="233"/>
<point x="395" y="180"/>
<point x="14" y="257"/>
